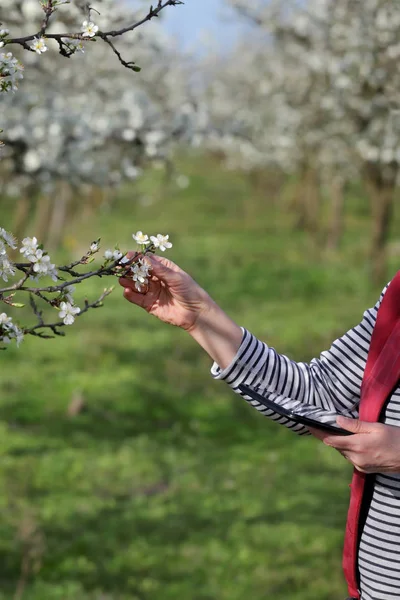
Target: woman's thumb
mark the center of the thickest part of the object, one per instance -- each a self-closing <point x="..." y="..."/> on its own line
<point x="354" y="425"/>
<point x="160" y="267"/>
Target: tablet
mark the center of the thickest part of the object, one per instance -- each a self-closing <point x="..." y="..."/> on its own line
<point x="307" y="415"/>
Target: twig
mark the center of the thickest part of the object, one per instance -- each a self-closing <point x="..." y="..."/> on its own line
<point x="104" y="35"/>
<point x="54" y="327"/>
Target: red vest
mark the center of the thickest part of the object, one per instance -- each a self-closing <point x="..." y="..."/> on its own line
<point x="382" y="373"/>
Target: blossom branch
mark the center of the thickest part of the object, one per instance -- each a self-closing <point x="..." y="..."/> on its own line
<point x="60" y="38"/>
<point x="54" y="327"/>
<point x="115" y="263"/>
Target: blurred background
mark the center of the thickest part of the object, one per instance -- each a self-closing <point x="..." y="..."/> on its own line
<point x="263" y="137"/>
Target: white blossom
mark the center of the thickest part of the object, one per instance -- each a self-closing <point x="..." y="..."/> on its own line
<point x="89" y="29"/>
<point x="140" y="238"/>
<point x="29" y="247"/>
<point x="75" y="45"/>
<point x="42" y="264"/>
<point x="39" y="45"/>
<point x="140" y="273"/>
<point x="94" y="247"/>
<point x="5" y="320"/>
<point x="8" y="238"/>
<point x="67" y="293"/>
<point x="68" y="312"/>
<point x="9" y="331"/>
<point x="7" y="269"/>
<point x="112" y="254"/>
<point x="10" y="72"/>
<point x="139" y="286"/>
<point x="161" y="241"/>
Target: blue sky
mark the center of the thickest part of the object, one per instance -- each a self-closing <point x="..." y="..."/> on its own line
<point x="189" y="22"/>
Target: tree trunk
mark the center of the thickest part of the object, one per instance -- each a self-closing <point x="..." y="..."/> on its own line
<point x="42" y="217"/>
<point x="307" y="201"/>
<point x="58" y="217"/>
<point x="21" y="215"/>
<point x="336" y="218"/>
<point x="381" y="197"/>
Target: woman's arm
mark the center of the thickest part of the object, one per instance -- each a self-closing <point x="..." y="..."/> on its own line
<point x="332" y="381"/>
<point x="217" y="334"/>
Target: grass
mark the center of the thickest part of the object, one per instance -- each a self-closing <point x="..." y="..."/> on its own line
<point x="165" y="485"/>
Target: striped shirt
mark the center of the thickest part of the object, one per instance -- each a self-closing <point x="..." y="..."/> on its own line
<point x="332" y="382"/>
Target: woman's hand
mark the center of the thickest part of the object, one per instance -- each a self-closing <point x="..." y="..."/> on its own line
<point x="172" y="295"/>
<point x="374" y="447"/>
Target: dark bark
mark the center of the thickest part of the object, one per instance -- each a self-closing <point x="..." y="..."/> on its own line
<point x="336" y="217"/>
<point x="381" y="194"/>
<point x="59" y="215"/>
<point x="307" y="202"/>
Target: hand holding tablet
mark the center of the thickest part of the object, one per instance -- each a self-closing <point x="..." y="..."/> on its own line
<point x="309" y="416"/>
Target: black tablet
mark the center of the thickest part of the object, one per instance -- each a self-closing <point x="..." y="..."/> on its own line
<point x="299" y="417"/>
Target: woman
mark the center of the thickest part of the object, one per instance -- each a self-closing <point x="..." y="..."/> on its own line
<point x="332" y="382"/>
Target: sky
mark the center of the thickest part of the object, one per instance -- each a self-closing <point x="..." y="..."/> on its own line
<point x="196" y="19"/>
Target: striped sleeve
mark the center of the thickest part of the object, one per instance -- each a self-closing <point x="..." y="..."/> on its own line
<point x="331" y="382"/>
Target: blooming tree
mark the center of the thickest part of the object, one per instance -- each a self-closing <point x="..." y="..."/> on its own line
<point x="30" y="277"/>
<point x="95" y="123"/>
<point x="316" y="94"/>
<point x="70" y="42"/>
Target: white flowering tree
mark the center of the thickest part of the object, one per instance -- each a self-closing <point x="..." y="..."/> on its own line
<point x="30" y="278"/>
<point x="87" y="125"/>
<point x="319" y="96"/>
<point x="66" y="134"/>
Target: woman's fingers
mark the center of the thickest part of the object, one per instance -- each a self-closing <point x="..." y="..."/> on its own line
<point x="127" y="283"/>
<point x="138" y="298"/>
<point x="163" y="268"/>
<point x="155" y="258"/>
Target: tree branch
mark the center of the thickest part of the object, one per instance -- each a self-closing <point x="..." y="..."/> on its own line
<point x="104" y="35"/>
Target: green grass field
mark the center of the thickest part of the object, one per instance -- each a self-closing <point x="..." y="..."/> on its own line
<point x="166" y="485"/>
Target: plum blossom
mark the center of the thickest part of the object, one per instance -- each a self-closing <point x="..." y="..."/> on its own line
<point x="89" y="29"/>
<point x="68" y="312"/>
<point x="39" y="45"/>
<point x="140" y="238"/>
<point x="5" y="320"/>
<point x="10" y="72"/>
<point x="67" y="293"/>
<point x="8" y="238"/>
<point x="112" y="254"/>
<point x="29" y="247"/>
<point x="139" y="286"/>
<point x="42" y="264"/>
<point x="140" y="273"/>
<point x="9" y="331"/>
<point x="7" y="269"/>
<point x="161" y="241"/>
<point x="75" y="45"/>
